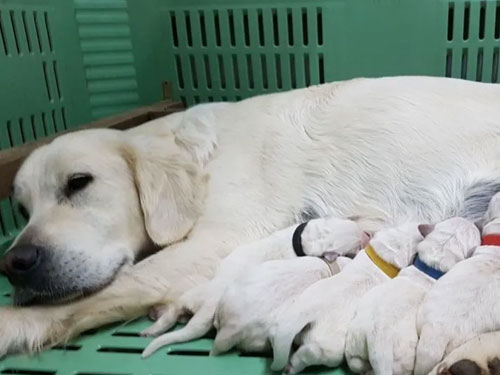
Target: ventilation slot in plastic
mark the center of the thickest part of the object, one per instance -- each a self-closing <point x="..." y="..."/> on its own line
<point x="67" y="348"/>
<point x="319" y="13"/>
<point x="260" y="20"/>
<point x="494" y="72"/>
<point x="173" y="22"/>
<point x="479" y="68"/>
<point x="449" y="61"/>
<point x="126" y="334"/>
<point x="304" y="27"/>
<point x="203" y="30"/>
<point x="26" y="32"/>
<point x="276" y="28"/>
<point x="21" y="371"/>
<point x="196" y="353"/>
<point x="3" y="37"/>
<point x="14" y="31"/>
<point x="451" y="16"/>
<point x="482" y="20"/>
<point x="189" y="32"/>
<point x="218" y="38"/>
<point x="497" y="22"/>
<point x="290" y="27"/>
<point x="463" y="73"/>
<point x="108" y="349"/>
<point x="466" y="21"/>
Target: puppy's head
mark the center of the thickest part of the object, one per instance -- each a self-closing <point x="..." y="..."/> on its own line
<point x="332" y="237"/>
<point x="398" y="245"/>
<point x="448" y="242"/>
<point x="94" y="201"/>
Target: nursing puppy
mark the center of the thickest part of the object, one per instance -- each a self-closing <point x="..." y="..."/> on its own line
<point x="319" y="317"/>
<point x="478" y="356"/>
<point x="383" y="336"/>
<point x="329" y="237"/>
<point x="245" y="312"/>
<point x="464" y="302"/>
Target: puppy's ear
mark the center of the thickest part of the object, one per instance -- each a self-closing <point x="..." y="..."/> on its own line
<point x="425" y="229"/>
<point x="171" y="187"/>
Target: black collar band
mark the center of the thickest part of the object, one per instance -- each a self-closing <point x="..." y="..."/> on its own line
<point x="297" y="240"/>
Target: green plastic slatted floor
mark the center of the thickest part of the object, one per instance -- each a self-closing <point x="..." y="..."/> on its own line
<point x="115" y="350"/>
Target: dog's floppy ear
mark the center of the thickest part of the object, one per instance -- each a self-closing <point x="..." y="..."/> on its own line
<point x="171" y="186"/>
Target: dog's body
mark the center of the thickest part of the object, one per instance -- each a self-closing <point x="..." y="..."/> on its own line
<point x="318" y="319"/>
<point x="218" y="176"/>
<point x="382" y="335"/>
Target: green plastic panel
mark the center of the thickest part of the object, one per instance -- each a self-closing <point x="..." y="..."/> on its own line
<point x="66" y="62"/>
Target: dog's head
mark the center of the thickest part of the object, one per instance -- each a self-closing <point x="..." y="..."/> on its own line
<point x="448" y="242"/>
<point x="398" y="245"/>
<point x="95" y="200"/>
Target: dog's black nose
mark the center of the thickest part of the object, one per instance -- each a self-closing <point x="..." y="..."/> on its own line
<point x="20" y="261"/>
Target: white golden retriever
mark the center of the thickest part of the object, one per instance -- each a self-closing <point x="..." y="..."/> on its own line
<point x="203" y="182"/>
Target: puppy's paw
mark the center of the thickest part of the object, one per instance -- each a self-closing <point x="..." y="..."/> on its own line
<point x="166" y="317"/>
<point x="156" y="312"/>
<point x="462" y="367"/>
<point x="478" y="356"/>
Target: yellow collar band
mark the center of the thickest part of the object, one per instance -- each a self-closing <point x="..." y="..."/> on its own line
<point x="389" y="269"/>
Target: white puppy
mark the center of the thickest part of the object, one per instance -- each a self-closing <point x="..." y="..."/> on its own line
<point x="245" y="312"/>
<point x="382" y="335"/>
<point x="322" y="312"/>
<point x="478" y="356"/>
<point x="464" y="302"/>
<point x="326" y="236"/>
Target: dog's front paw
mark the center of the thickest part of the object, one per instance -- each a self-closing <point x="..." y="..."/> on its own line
<point x="29" y="329"/>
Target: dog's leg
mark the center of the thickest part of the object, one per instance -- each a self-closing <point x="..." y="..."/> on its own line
<point x="158" y="279"/>
<point x="430" y="349"/>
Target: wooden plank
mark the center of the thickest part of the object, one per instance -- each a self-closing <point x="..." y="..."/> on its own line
<point x="11" y="159"/>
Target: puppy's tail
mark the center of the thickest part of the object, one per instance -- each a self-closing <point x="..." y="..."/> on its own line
<point x="282" y="339"/>
<point x="430" y="350"/>
<point x="198" y="326"/>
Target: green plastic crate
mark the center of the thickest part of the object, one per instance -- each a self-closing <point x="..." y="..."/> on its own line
<point x="66" y="62"/>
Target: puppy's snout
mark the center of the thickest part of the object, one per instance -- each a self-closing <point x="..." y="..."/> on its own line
<point x="20" y="262"/>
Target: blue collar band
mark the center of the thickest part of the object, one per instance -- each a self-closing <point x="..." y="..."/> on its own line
<point x="429" y="271"/>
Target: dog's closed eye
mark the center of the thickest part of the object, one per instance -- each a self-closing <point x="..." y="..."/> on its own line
<point x="77" y="182"/>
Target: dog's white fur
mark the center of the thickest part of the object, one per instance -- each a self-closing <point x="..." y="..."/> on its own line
<point x="463" y="303"/>
<point x="245" y="312"/>
<point x="328" y="237"/>
<point x="480" y="350"/>
<point x="321" y="314"/>
<point x="382" y="335"/>
<point x="218" y="176"/>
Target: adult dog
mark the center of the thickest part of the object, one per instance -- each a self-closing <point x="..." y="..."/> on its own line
<point x="217" y="176"/>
